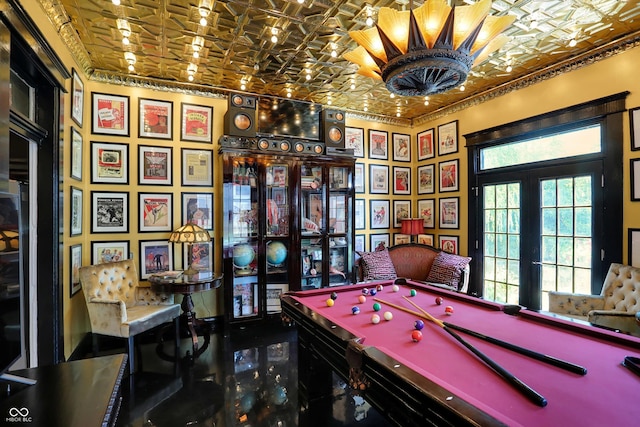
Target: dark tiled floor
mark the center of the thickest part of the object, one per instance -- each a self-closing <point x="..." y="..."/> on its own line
<point x="246" y="379"/>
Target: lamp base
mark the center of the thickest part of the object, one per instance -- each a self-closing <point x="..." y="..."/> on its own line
<point x="190" y="271"/>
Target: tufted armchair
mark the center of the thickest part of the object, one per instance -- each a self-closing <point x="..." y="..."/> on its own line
<point x="615" y="307"/>
<point x="120" y="307"/>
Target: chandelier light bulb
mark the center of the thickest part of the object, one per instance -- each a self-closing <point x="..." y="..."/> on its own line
<point x="125" y="41"/>
<point x="462" y="88"/>
<point x="131" y="67"/>
<point x="509" y="68"/>
<point x="115" y="2"/>
<point x="573" y="43"/>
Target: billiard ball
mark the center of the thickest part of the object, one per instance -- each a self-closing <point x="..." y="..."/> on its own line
<point x="330" y="302"/>
<point x="416" y="336"/>
<point x="365" y="291"/>
<point x="413" y="293"/>
<point x="375" y="319"/>
<point x="377" y="307"/>
<point x="355" y="310"/>
<point x="395" y="288"/>
<point x="439" y="300"/>
<point x="379" y="288"/>
<point x="448" y="310"/>
<point x="334" y="295"/>
<point x="372" y="292"/>
<point x="388" y="315"/>
<point x="418" y="324"/>
<point x="362" y="299"/>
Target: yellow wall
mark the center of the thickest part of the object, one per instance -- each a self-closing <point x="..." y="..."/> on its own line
<point x="615" y="74"/>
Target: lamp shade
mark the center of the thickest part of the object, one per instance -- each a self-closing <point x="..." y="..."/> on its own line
<point x="412" y="226"/>
<point x="189" y="233"/>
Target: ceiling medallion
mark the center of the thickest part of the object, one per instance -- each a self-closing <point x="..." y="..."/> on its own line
<point x="428" y="50"/>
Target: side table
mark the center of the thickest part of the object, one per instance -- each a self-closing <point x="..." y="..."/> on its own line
<point x="187" y="285"/>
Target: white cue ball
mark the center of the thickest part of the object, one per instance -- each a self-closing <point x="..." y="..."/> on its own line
<point x="396" y="288"/>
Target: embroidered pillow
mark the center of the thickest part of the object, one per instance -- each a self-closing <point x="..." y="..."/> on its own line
<point x="377" y="265"/>
<point x="447" y="269"/>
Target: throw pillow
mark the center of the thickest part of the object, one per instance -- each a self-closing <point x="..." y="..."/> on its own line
<point x="447" y="268"/>
<point x="377" y="265"/>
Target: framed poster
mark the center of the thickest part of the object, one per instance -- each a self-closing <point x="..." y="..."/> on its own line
<point x="426" y="148"/>
<point x="401" y="239"/>
<point x="448" y="175"/>
<point x="401" y="180"/>
<point x="155" y="210"/>
<point x="449" y="212"/>
<point x="380" y="215"/>
<point x="354" y="138"/>
<point x="635" y="179"/>
<point x="378" y="179"/>
<point x="197" y="167"/>
<point x="359" y="214"/>
<point x="358" y="245"/>
<point x="76" y="154"/>
<point x="196" y="123"/>
<point x="75" y="262"/>
<point x="378" y="242"/>
<point x="634" y="120"/>
<point x="77" y="98"/>
<point x="197" y="208"/>
<point x="425" y="239"/>
<point x="109" y="163"/>
<point x="401" y="210"/>
<point x="359" y="179"/>
<point x="401" y="147"/>
<point x="156" y="256"/>
<point x="427" y="211"/>
<point x="109" y="114"/>
<point x="426" y="179"/>
<point x="76" y="211"/>
<point x="109" y="212"/>
<point x="274" y="290"/>
<point x="634" y="247"/>
<point x="378" y="144"/>
<point x="155" y="165"/>
<point x="448" y="244"/>
<point x="155" y="119"/>
<point x="102" y="252"/>
<point x="448" y="138"/>
<point x="201" y="256"/>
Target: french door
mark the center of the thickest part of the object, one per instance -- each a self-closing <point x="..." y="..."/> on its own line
<point x="540" y="230"/>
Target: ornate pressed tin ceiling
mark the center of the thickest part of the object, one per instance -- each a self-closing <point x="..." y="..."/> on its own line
<point x="238" y="48"/>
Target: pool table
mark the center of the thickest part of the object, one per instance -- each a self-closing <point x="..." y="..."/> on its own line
<point x="438" y="381"/>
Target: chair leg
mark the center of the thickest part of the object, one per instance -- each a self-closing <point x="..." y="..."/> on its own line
<point x="131" y="348"/>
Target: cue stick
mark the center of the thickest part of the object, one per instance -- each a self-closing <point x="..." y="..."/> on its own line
<point x="545" y="358"/>
<point x="523" y="388"/>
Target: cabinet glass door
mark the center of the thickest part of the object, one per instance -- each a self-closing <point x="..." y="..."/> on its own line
<point x="277" y="232"/>
<point x="243" y="239"/>
<point x="339" y="225"/>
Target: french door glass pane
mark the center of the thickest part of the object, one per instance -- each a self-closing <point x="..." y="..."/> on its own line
<point x="501" y="236"/>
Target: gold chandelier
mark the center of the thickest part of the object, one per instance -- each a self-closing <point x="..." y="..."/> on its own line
<point x="430" y="49"/>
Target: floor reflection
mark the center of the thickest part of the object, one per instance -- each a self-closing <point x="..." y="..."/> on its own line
<point x="248" y="378"/>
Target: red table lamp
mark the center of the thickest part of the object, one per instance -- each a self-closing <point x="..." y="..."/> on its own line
<point x="412" y="226"/>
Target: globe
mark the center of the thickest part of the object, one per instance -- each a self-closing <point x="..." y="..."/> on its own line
<point x="276" y="253"/>
<point x="243" y="255"/>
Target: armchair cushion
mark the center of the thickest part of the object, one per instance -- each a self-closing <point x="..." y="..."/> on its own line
<point x="574" y="305"/>
<point x="377" y="265"/>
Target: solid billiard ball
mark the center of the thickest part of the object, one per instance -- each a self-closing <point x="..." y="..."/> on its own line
<point x="365" y="291"/>
<point x="395" y="288"/>
<point x="418" y="324"/>
<point x="416" y="336"/>
<point x="355" y="310"/>
<point x="372" y="292"/>
<point x="388" y="315"/>
<point x="448" y="310"/>
<point x="362" y="299"/>
<point x="334" y="295"/>
<point x="330" y="302"/>
<point x="379" y="288"/>
<point x="439" y="300"/>
<point x="375" y="319"/>
<point x="377" y="307"/>
<point x="413" y="293"/>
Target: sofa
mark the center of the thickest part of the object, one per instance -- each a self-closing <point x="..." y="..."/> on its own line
<point x="616" y="307"/>
<point x="415" y="261"/>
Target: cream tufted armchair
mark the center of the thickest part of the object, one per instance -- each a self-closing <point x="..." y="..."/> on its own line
<point x="120" y="307"/>
<point x="615" y="307"/>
